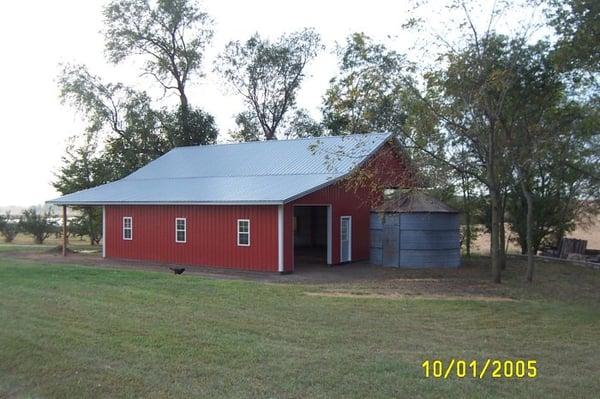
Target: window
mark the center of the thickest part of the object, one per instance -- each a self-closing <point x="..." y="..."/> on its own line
<point x="180" y="230"/>
<point x="243" y="232"/>
<point x="127" y="228"/>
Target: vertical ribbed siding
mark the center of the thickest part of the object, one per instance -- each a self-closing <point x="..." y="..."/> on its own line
<point x="211" y="235"/>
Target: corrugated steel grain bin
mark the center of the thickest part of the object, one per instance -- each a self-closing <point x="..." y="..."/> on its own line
<point x="415" y="231"/>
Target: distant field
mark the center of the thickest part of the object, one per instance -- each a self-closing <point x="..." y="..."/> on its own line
<point x="81" y="331"/>
<point x="589" y="233"/>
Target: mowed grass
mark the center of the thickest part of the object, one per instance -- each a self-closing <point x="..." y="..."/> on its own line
<point x="70" y="331"/>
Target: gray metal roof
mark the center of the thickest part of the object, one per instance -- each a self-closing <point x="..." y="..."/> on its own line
<point x="271" y="172"/>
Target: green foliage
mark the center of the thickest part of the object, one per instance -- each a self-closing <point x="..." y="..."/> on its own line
<point x="577" y="24"/>
<point x="268" y="74"/>
<point x="248" y="128"/>
<point x="562" y="178"/>
<point x="171" y="35"/>
<point x="39" y="225"/>
<point x="87" y="224"/>
<point x="189" y="126"/>
<point x="85" y="167"/>
<point x="368" y="95"/>
<point x="301" y="124"/>
<point x="8" y="227"/>
<point x="121" y="116"/>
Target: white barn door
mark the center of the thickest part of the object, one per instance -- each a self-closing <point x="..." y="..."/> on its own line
<point x="345" y="239"/>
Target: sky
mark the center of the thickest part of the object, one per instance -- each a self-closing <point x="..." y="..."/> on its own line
<point x="37" y="36"/>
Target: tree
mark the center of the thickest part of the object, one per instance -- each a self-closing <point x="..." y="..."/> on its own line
<point x="493" y="96"/>
<point x="535" y="90"/>
<point x="39" y="225"/>
<point x="133" y="131"/>
<point x="170" y="34"/>
<point x="368" y="94"/>
<point x="371" y="94"/>
<point x="8" y="228"/>
<point x="563" y="185"/>
<point x="84" y="167"/>
<point x="468" y="99"/>
<point x="577" y="24"/>
<point x="301" y="124"/>
<point x="248" y="128"/>
<point x="123" y="117"/>
<point x="268" y="74"/>
<point x="201" y="128"/>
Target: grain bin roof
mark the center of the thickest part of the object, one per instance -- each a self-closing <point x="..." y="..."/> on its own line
<point x="415" y="203"/>
<point x="271" y="172"/>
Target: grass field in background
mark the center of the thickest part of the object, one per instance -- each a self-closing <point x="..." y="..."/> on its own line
<point x="72" y="331"/>
<point x="27" y="239"/>
<point x="25" y="243"/>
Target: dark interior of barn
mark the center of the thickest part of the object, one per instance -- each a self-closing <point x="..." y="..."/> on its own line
<point x="310" y="235"/>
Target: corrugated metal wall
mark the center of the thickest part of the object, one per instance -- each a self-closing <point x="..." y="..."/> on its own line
<point x="415" y="239"/>
<point x="211" y="235"/>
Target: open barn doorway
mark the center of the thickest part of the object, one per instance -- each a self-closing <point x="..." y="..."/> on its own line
<point x="312" y="235"/>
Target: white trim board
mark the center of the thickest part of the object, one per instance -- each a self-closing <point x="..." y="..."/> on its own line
<point x="280" y="239"/>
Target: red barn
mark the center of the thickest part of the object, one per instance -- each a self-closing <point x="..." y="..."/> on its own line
<point x="255" y="206"/>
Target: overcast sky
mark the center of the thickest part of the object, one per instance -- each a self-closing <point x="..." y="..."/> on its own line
<point x="36" y="36"/>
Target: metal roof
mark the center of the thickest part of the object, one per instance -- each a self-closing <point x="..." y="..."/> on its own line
<point x="414" y="202"/>
<point x="267" y="172"/>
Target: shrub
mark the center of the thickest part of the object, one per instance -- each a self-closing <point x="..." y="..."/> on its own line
<point x="8" y="227"/>
<point x="39" y="225"/>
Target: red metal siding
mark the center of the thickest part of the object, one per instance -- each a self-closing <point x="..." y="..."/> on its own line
<point x="211" y="235"/>
<point x="386" y="168"/>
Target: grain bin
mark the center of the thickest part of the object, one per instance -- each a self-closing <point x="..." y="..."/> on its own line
<point x="415" y="231"/>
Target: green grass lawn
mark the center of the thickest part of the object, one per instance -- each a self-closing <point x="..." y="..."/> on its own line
<point x="71" y="331"/>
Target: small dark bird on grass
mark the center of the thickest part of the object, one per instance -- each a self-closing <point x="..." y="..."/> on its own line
<point x="177" y="270"/>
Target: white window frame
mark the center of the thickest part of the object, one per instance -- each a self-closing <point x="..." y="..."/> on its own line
<point x="184" y="230"/>
<point x="130" y="228"/>
<point x="243" y="232"/>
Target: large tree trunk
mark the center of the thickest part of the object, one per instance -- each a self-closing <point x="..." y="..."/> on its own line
<point x="502" y="239"/>
<point x="529" y="233"/>
<point x="468" y="233"/>
<point x="467" y="208"/>
<point x="502" y="229"/>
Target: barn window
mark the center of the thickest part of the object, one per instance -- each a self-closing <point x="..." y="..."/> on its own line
<point x="127" y="228"/>
<point x="243" y="232"/>
<point x="180" y="230"/>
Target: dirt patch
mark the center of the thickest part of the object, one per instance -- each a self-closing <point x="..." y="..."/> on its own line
<point x="397" y="295"/>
